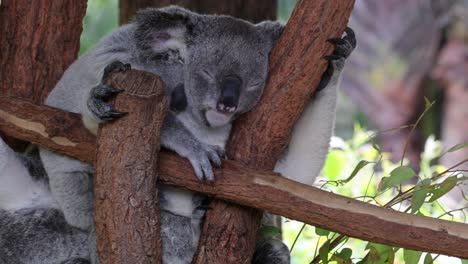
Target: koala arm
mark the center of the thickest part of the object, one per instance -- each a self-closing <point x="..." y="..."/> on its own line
<point x="175" y="136"/>
<point x="310" y="138"/>
<point x="311" y="135"/>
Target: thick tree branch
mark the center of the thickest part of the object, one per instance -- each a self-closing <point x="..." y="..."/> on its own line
<point x="126" y="207"/>
<point x="238" y="184"/>
<point x="260" y="136"/>
<point x="33" y="57"/>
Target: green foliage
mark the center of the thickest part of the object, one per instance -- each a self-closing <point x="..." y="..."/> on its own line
<point x="355" y="168"/>
<point x="101" y="17"/>
<point x="398" y="176"/>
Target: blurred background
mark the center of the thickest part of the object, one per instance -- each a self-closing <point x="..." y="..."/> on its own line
<point x="403" y="101"/>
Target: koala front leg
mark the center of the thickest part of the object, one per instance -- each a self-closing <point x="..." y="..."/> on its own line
<point x="310" y="138"/>
<point x="176" y="137"/>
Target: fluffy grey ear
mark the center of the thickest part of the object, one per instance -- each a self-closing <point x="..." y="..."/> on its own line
<point x="270" y="29"/>
<point x="163" y="34"/>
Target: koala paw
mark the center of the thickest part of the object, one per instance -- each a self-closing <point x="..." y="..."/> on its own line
<point x="202" y="158"/>
<point x="99" y="102"/>
<point x="343" y="48"/>
<point x="116" y="66"/>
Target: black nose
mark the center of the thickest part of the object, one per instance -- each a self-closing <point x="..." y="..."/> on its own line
<point x="230" y="92"/>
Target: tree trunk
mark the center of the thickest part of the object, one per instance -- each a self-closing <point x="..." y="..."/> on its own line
<point x="38" y="40"/>
<point x="126" y="207"/>
<point x="251" y="10"/>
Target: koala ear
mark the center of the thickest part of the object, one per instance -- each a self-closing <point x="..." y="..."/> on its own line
<point x="270" y="29"/>
<point x="163" y="33"/>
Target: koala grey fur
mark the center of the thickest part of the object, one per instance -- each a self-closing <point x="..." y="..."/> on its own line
<point x="197" y="51"/>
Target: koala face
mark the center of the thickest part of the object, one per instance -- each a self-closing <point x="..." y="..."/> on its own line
<point x="225" y="60"/>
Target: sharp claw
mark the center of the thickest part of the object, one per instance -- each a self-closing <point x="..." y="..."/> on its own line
<point x="117" y="114"/>
<point x="332" y="57"/>
<point x="349" y="32"/>
<point x="336" y="41"/>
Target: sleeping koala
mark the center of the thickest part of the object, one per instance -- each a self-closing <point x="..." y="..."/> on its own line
<point x="214" y="68"/>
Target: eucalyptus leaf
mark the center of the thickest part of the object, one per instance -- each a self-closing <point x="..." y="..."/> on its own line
<point x="358" y="167"/>
<point x="321" y="232"/>
<point x="458" y="146"/>
<point x="411" y="256"/>
<point x="443" y="188"/>
<point x="397" y="176"/>
<point x="428" y="259"/>
<point x="419" y="195"/>
<point x="323" y="252"/>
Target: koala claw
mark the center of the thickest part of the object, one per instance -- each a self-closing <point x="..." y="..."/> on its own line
<point x="343" y="48"/>
<point x="98" y="102"/>
<point x="116" y="66"/>
<point x="201" y="161"/>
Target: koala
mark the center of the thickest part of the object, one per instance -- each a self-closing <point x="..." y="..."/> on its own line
<point x="214" y="68"/>
<point x="32" y="228"/>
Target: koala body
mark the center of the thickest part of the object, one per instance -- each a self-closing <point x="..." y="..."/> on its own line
<point x="221" y="64"/>
<point x="32" y="228"/>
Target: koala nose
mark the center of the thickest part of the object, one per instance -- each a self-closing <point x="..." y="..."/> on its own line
<point x="230" y="92"/>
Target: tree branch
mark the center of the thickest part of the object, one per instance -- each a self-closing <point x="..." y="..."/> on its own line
<point x="126" y="206"/>
<point x="239" y="184"/>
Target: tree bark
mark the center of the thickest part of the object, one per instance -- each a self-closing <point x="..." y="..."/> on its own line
<point x="260" y="136"/>
<point x="38" y="40"/>
<point x="263" y="190"/>
<point x="126" y="207"/>
<point x="251" y="10"/>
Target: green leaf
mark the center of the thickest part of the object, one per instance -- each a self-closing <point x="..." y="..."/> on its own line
<point x="419" y="195"/>
<point x="443" y="188"/>
<point x="269" y="231"/>
<point x="321" y="232"/>
<point x="428" y="259"/>
<point x="379" y="254"/>
<point x="397" y="176"/>
<point x="464" y="261"/>
<point x="346" y="253"/>
<point x="458" y="146"/>
<point x="411" y="256"/>
<point x="358" y="167"/>
<point x="323" y="252"/>
<point x="344" y="257"/>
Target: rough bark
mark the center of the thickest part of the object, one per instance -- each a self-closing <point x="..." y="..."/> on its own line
<point x="260" y="136"/>
<point x="48" y="127"/>
<point x="267" y="191"/>
<point x="126" y="207"/>
<point x="38" y="40"/>
<point x="252" y="10"/>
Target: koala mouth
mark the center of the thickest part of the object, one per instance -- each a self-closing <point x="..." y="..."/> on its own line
<point x="215" y="118"/>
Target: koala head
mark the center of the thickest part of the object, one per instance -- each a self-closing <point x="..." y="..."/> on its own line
<point x="225" y="60"/>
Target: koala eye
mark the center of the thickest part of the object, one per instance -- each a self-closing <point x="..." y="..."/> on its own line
<point x="207" y="75"/>
<point x="254" y="85"/>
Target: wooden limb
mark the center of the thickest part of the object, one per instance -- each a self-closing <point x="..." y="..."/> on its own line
<point x="39" y="40"/>
<point x="48" y="127"/>
<point x="33" y="57"/>
<point x="265" y="190"/>
<point x="126" y="207"/>
<point x="260" y="136"/>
